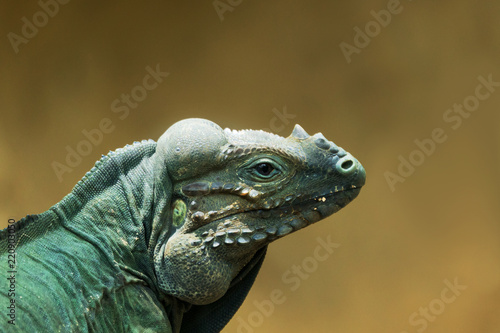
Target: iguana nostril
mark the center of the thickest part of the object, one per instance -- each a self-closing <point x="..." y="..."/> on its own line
<point x="346" y="164"/>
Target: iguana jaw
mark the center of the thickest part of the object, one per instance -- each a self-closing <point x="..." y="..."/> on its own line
<point x="260" y="226"/>
<point x="215" y="252"/>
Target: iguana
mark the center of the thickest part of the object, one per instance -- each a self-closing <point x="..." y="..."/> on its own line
<point x="169" y="236"/>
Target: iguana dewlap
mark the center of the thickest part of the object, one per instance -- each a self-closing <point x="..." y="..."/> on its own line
<point x="169" y="236"/>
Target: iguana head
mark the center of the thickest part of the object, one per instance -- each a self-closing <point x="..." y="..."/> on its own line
<point x="234" y="192"/>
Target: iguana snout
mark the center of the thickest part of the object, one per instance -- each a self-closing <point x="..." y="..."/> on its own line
<point x="234" y="192"/>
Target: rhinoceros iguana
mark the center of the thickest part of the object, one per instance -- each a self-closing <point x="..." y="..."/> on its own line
<point x="169" y="236"/>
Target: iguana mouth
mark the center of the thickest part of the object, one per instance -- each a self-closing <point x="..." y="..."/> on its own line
<point x="292" y="215"/>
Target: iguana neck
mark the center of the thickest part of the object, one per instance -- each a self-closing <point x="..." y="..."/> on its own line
<point x="112" y="207"/>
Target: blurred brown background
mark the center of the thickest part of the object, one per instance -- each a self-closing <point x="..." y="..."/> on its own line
<point x="398" y="247"/>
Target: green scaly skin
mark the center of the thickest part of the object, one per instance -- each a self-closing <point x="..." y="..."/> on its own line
<point x="168" y="236"/>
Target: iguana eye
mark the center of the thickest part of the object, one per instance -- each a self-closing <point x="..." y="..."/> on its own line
<point x="264" y="169"/>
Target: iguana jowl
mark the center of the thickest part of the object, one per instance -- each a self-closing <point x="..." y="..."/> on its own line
<point x="169" y="236"/>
